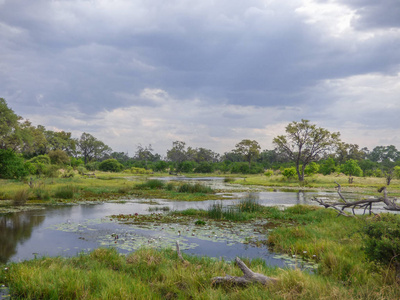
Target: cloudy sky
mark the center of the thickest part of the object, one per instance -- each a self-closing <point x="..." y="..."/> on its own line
<point x="209" y="73"/>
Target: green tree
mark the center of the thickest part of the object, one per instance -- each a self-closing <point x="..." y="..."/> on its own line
<point x="11" y="165"/>
<point x="10" y="131"/>
<point x="177" y="153"/>
<point x="351" y="168"/>
<point x="58" y="157"/>
<point x="328" y="166"/>
<point x="305" y="143"/>
<point x="248" y="149"/>
<point x="92" y="148"/>
<point x="311" y="169"/>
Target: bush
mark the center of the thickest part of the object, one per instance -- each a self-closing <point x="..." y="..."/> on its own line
<point x="382" y="242"/>
<point x="351" y="168"/>
<point x="92" y="166"/>
<point x="43" y="159"/>
<point x="58" y="157"/>
<point x="269" y="173"/>
<point x="111" y="165"/>
<point x="311" y="168"/>
<point x="289" y="172"/>
<point x="11" y="165"/>
<point x="328" y="166"/>
<point x="136" y="170"/>
<point x="160" y="166"/>
<point x="152" y="184"/>
<point x="204" y="167"/>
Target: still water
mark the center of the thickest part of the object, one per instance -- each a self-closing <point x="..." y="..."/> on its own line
<point x="69" y="230"/>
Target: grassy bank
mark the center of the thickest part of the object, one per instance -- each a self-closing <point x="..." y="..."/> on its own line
<point x="365" y="185"/>
<point x="305" y="232"/>
<point x="104" y="186"/>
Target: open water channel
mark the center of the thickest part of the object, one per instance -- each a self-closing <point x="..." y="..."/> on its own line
<point x="69" y="230"/>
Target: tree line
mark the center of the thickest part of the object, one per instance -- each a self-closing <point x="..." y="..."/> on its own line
<point x="303" y="150"/>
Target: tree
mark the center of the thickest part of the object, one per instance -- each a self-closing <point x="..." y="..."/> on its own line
<point x="11" y="165"/>
<point x="305" y="143"/>
<point x="248" y="149"/>
<point x="58" y="157"/>
<point x="346" y="151"/>
<point x="177" y="153"/>
<point x="9" y="127"/>
<point x="92" y="148"/>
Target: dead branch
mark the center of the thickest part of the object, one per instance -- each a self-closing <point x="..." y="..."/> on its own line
<point x="178" y="251"/>
<point x="339" y="191"/>
<point x="248" y="276"/>
<point x="360" y="204"/>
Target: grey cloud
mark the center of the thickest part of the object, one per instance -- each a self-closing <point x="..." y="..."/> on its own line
<point x="374" y="14"/>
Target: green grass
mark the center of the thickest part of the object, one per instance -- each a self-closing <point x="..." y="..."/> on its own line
<point x="151" y="274"/>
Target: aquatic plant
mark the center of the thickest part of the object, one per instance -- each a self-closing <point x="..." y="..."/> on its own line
<point x="194" y="188"/>
<point x="20" y="197"/>
<point x="65" y="192"/>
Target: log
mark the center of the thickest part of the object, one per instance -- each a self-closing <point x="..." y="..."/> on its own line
<point x="362" y="204"/>
<point x="248" y="277"/>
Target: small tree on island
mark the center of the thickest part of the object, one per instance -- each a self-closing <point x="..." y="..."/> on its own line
<point x="305" y="143"/>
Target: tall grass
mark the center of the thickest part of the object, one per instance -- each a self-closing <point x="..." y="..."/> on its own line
<point x="241" y="212"/>
<point x="195" y="188"/>
<point x="20" y="197"/>
<point x="150" y="274"/>
<point x="152" y="184"/>
<point x="65" y="192"/>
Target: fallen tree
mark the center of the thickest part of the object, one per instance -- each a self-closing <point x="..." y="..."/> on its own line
<point x="248" y="276"/>
<point x="365" y="204"/>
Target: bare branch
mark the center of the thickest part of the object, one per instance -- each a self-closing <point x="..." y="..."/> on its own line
<point x="248" y="276"/>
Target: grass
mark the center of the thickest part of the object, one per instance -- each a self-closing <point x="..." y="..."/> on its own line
<point x="365" y="185"/>
<point x="152" y="274"/>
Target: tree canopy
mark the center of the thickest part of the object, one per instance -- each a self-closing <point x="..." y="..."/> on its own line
<point x="304" y="143"/>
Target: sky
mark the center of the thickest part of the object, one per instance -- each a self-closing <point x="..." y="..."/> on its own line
<point x="209" y="73"/>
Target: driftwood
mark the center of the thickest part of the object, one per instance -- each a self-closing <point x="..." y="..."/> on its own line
<point x="360" y="204"/>
<point x="248" y="277"/>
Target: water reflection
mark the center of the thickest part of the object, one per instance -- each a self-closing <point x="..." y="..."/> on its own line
<point x="15" y="230"/>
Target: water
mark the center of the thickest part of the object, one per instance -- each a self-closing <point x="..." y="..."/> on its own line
<point x="69" y="230"/>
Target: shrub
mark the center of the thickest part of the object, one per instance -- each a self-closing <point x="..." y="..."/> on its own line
<point x="351" y="168"/>
<point x="136" y="170"/>
<point x="111" y="165"/>
<point x="269" y="173"/>
<point x="328" y="166"/>
<point x="311" y="168"/>
<point x="58" y="157"/>
<point x="43" y="159"/>
<point x="289" y="172"/>
<point x="204" y="167"/>
<point x="152" y="184"/>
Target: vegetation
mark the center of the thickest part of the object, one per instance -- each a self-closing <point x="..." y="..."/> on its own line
<point x="305" y="143"/>
<point x="345" y="268"/>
